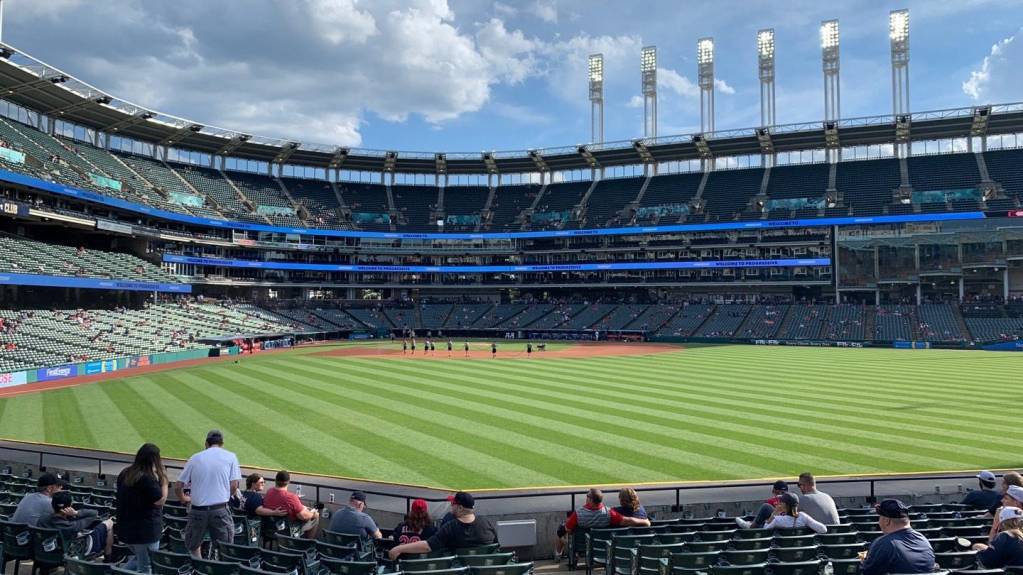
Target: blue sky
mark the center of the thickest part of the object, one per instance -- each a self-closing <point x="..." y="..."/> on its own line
<point x="472" y="75"/>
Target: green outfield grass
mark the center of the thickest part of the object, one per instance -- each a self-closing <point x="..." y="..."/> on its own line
<point x="714" y="412"/>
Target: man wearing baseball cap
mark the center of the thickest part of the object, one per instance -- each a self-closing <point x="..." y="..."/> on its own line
<point x="353" y="519"/>
<point x="466" y="530"/>
<point x="211" y="476"/>
<point x="986" y="497"/>
<point x="767" y="509"/>
<point x="35" y="505"/>
<point x="901" y="549"/>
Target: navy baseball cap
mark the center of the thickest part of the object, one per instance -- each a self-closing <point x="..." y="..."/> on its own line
<point x="780" y="486"/>
<point x="892" y="508"/>
<point x="464" y="499"/>
<point x="358" y="496"/>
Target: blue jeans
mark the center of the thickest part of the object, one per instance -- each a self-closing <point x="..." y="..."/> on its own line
<point x="141" y="562"/>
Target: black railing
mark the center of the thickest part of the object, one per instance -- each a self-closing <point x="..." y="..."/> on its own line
<point x="870" y="483"/>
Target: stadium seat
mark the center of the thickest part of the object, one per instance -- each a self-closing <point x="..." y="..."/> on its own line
<point x="830" y="538"/>
<point x="795" y="554"/>
<point x="707" y="546"/>
<point x="17" y="544"/>
<point x="845" y="566"/>
<point x="745" y="557"/>
<point x="693" y="561"/>
<point x="74" y="566"/>
<point x="485" y="559"/>
<point x="506" y="569"/>
<point x="211" y="567"/>
<point x="752" y="544"/>
<point x="846" y="551"/>
<point x="956" y="559"/>
<point x="478" y="550"/>
<point x="753" y="569"/>
<point x="783" y="540"/>
<point x="336" y="551"/>
<point x="673" y="538"/>
<point x="797" y="568"/>
<point x="430" y="564"/>
<point x="236" y="551"/>
<point x="340" y="567"/>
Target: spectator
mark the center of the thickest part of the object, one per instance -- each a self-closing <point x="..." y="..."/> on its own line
<point x="70" y="521"/>
<point x="593" y="514"/>
<point x="37" y="504"/>
<point x="211" y="475"/>
<point x="766" y="510"/>
<point x="416" y="526"/>
<point x="816" y="504"/>
<point x="628" y="504"/>
<point x="1008" y="480"/>
<point x="250" y="502"/>
<point x="901" y="549"/>
<point x="466" y="530"/>
<point x="278" y="497"/>
<point x="354" y="519"/>
<point x="1013" y="498"/>
<point x="141" y="493"/>
<point x="1007" y="547"/>
<point x="986" y="497"/>
<point x="786" y="515"/>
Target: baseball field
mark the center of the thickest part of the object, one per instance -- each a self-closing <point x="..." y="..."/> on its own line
<point x="573" y="415"/>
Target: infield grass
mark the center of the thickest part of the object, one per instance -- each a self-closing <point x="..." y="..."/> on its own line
<point x="713" y="412"/>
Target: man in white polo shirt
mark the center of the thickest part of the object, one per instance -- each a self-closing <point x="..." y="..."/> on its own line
<point x="212" y="476"/>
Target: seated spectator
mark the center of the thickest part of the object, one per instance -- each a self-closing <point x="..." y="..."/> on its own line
<point x="1007" y="547"/>
<point x="901" y="549"/>
<point x="788" y="516"/>
<point x="466" y="530"/>
<point x="251" y="502"/>
<point x="766" y="510"/>
<point x="417" y="525"/>
<point x="70" y="521"/>
<point x="35" y="505"/>
<point x="353" y="519"/>
<point x="628" y="504"/>
<point x="816" y="504"/>
<point x="278" y="497"/>
<point x="1013" y="498"/>
<point x="594" y="514"/>
<point x="986" y="497"/>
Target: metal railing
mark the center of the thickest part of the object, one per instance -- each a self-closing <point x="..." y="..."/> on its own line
<point x="431" y="495"/>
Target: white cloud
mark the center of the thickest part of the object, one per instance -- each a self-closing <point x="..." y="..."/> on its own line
<point x="565" y="62"/>
<point x="997" y="77"/>
<point x="723" y="87"/>
<point x="504" y="10"/>
<point x="635" y="102"/>
<point x="339" y="21"/>
<point x="677" y="83"/>
<point x="545" y="10"/>
<point x="510" y="55"/>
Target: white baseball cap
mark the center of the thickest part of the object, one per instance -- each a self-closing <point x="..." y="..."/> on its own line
<point x="986" y="476"/>
<point x="1010" y="513"/>
<point x="1016" y="492"/>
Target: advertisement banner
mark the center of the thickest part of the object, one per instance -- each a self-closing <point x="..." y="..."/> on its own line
<point x="105" y="182"/>
<point x="12" y="156"/>
<point x="59" y="372"/>
<point x="1005" y="346"/>
<point x="113" y="227"/>
<point x="93" y="367"/>
<point x="12" y="379"/>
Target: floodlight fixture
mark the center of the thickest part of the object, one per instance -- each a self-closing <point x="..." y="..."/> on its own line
<point x="898" y="25"/>
<point x="596" y="68"/>
<point x="765" y="43"/>
<point x="648" y="59"/>
<point x="705" y="51"/>
<point x="829" y="34"/>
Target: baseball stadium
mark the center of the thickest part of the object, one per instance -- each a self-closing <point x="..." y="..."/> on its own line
<point x="696" y="320"/>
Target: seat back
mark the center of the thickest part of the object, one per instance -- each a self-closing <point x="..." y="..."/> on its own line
<point x="797" y="568"/>
<point x="658" y="551"/>
<point x="485" y="560"/>
<point x="956" y="559"/>
<point x="479" y="550"/>
<point x="848" y="551"/>
<point x="717" y="535"/>
<point x="795" y="554"/>
<point x="238" y="551"/>
<point x="211" y="567"/>
<point x="17" y="540"/>
<point x="79" y="567"/>
<point x="794" y="540"/>
<point x="674" y="537"/>
<point x="47" y="546"/>
<point x="342" y="538"/>
<point x="694" y="560"/>
<point x="706" y="546"/>
<point x="336" y="551"/>
<point x="171" y="559"/>
<point x="341" y="567"/>
<point x="756" y="569"/>
<point x="429" y="564"/>
<point x="745" y="557"/>
<point x="752" y="544"/>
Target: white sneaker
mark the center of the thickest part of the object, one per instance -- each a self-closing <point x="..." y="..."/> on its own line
<point x="742" y="523"/>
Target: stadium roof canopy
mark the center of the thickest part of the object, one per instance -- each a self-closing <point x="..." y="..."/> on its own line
<point x="33" y="84"/>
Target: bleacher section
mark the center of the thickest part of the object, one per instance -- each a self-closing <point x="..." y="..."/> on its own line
<point x="415" y="203"/>
<point x="805" y="181"/>
<point x="497" y="315"/>
<point x="509" y="201"/>
<point x="318" y="198"/>
<point x="943" y="172"/>
<point x="866" y="185"/>
<point x="213" y="184"/>
<point x="989" y="329"/>
<point x="365" y="199"/>
<point x="463" y="206"/>
<point x="371" y="318"/>
<point x="557" y="316"/>
<point x="23" y="256"/>
<point x="529" y="315"/>
<point x="728" y="192"/>
<point x="763" y="321"/>
<point x="265" y="193"/>
<point x="171" y="185"/>
<point x="588" y="316"/>
<point x="43" y="337"/>
<point x="402" y="317"/>
<point x="620" y="317"/>
<point x="1006" y="168"/>
<point x="894" y="323"/>
<point x="464" y="316"/>
<point x="724" y="321"/>
<point x="667" y="193"/>
<point x="937" y="322"/>
<point x="686" y="321"/>
<point x="556" y="203"/>
<point x="844" y="323"/>
<point x="609" y="197"/>
<point x="434" y="315"/>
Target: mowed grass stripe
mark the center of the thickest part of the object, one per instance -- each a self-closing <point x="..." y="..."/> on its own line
<point x="147" y="420"/>
<point x="789" y="417"/>
<point x="630" y="441"/>
<point x="23" y="418"/>
<point x="435" y="458"/>
<point x="744" y="443"/>
<point x="481" y="445"/>
<point x="105" y="421"/>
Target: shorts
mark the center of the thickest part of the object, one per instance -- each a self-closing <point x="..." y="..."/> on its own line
<point x="217" y="522"/>
<point x="308" y="525"/>
<point x="562" y="531"/>
<point x="97" y="541"/>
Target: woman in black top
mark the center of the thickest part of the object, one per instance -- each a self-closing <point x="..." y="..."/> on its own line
<point x="1007" y="547"/>
<point x="141" y="493"/>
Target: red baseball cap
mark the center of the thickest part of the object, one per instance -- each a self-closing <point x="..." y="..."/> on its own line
<point x="419" y="505"/>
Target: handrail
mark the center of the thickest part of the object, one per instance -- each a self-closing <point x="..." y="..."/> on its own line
<point x="572" y="493"/>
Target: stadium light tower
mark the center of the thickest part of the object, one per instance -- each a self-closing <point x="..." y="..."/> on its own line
<point x="832" y="93"/>
<point x="648" y="76"/>
<point x="705" y="71"/>
<point x="898" y="32"/>
<point x="596" y="75"/>
<point x="765" y="58"/>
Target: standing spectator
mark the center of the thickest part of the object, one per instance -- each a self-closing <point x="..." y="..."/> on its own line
<point x="36" y="505"/>
<point x="767" y="509"/>
<point x="416" y="526"/>
<point x="788" y="516"/>
<point x="354" y="519"/>
<point x="986" y="497"/>
<point x="466" y="530"/>
<point x="816" y="504"/>
<point x="629" y="505"/>
<point x="278" y="497"/>
<point x="141" y="493"/>
<point x="901" y="549"/>
<point x="211" y="475"/>
<point x="70" y="522"/>
<point x="1007" y="548"/>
